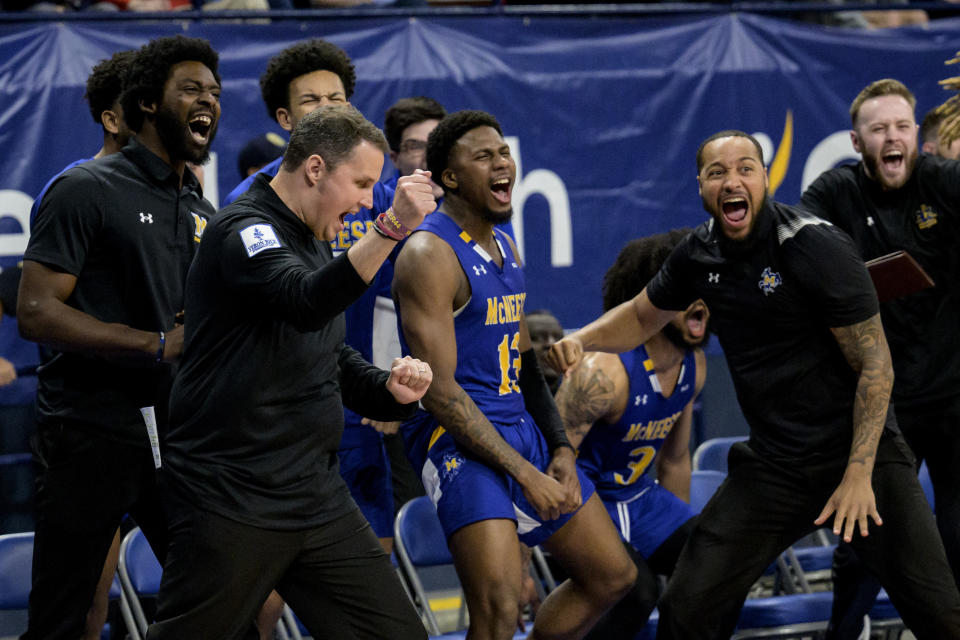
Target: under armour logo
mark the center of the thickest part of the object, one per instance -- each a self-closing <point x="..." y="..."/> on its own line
<point x="639" y="400"/>
<point x="479" y="269"/>
<point x="146" y="218"/>
<point x="869" y="221"/>
<point x="713" y="277"/>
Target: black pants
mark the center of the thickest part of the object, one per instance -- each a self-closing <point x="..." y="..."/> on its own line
<point x="335" y="577"/>
<point x="763" y="507"/>
<point x="933" y="432"/>
<point x="85" y="485"/>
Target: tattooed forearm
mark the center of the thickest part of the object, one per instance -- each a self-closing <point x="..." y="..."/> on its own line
<point x="864" y="345"/>
<point x="459" y="415"/>
<point x="585" y="396"/>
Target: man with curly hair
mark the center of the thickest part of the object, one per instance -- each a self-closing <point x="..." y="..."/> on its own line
<point x="103" y="282"/>
<point x="299" y="79"/>
<point x="500" y="466"/>
<point x="627" y="412"/>
<point x="104" y="86"/>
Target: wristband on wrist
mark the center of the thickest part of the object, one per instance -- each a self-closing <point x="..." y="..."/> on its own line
<point x="382" y="232"/>
<point x="163" y="343"/>
<point x="389" y="226"/>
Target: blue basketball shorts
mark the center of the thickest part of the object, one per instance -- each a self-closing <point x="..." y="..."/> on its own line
<point x="466" y="490"/>
<point x="648" y="518"/>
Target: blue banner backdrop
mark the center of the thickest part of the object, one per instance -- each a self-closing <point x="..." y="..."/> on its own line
<point x="604" y="113"/>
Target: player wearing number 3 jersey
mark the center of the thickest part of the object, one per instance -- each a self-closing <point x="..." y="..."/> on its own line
<point x="492" y="449"/>
<point x="630" y="412"/>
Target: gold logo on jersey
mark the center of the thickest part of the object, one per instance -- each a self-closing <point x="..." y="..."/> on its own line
<point x="652" y="429"/>
<point x="199" y="224"/>
<point x="505" y="309"/>
<point x="926" y="217"/>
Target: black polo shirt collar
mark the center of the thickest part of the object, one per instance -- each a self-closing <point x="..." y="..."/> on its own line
<point x="267" y="198"/>
<point x="158" y="170"/>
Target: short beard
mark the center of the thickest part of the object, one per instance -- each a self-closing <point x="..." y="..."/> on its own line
<point x="677" y="339"/>
<point x="177" y="138"/>
<point x="744" y="242"/>
<point x="873" y="165"/>
<point x="495" y="217"/>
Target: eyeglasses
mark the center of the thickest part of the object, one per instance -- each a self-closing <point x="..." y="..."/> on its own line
<point x="413" y="146"/>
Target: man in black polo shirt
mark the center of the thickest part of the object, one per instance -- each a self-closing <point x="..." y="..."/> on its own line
<point x="895" y="199"/>
<point x="257" y="406"/>
<point x="103" y="279"/>
<point x="798" y="321"/>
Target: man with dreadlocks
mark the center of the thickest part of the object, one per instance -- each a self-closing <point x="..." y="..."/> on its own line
<point x="930" y="128"/>
<point x="623" y="412"/>
<point x="896" y="199"/>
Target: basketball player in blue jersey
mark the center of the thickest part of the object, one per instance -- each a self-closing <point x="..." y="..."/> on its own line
<point x="492" y="450"/>
<point x="627" y="412"/>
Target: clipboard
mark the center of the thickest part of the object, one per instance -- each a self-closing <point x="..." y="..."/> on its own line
<point x="897" y="274"/>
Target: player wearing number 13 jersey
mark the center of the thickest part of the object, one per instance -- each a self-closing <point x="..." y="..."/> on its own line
<point x="493" y="453"/>
<point x="488" y="364"/>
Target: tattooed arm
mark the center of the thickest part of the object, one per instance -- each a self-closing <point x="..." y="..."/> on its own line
<point x="428" y="286"/>
<point x="619" y="329"/>
<point x="595" y="389"/>
<point x="865" y="348"/>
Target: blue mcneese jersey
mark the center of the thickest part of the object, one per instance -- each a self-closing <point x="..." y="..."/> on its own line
<point x="615" y="456"/>
<point x="488" y="326"/>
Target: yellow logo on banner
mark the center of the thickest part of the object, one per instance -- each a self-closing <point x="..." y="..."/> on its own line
<point x="781" y="159"/>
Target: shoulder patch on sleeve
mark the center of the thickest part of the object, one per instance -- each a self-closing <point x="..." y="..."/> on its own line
<point x="258" y="237"/>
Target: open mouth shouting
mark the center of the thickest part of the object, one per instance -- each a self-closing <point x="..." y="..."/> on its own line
<point x="201" y="126"/>
<point x="892" y="160"/>
<point x="734" y="211"/>
<point x="695" y="320"/>
<point x="502" y="190"/>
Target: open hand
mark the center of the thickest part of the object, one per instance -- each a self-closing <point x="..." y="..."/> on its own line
<point x="853" y="501"/>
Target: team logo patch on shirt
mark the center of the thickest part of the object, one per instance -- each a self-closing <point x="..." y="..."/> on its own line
<point x="258" y="237"/>
<point x="450" y="466"/>
<point x="769" y="280"/>
<point x="926" y="217"/>
<point x="199" y="225"/>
